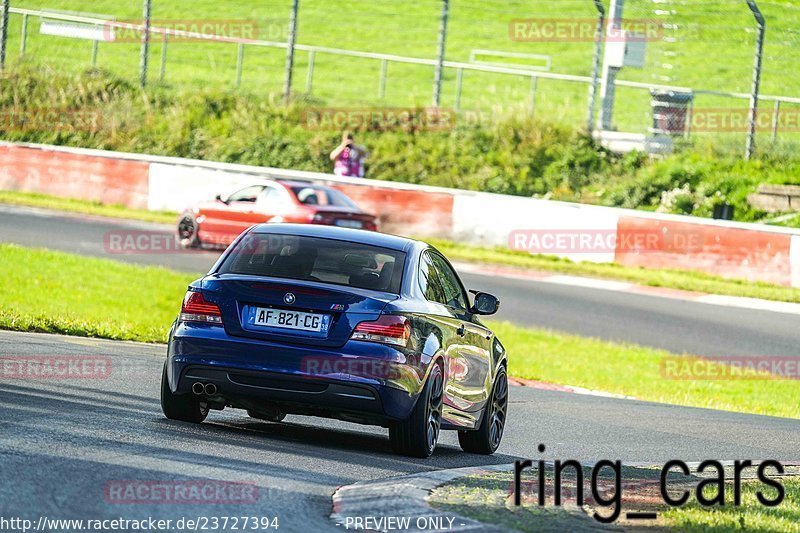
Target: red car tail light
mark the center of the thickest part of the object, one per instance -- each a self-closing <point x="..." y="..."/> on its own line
<point x="195" y="308"/>
<point x="388" y="329"/>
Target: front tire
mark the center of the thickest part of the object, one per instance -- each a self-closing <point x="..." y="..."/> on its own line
<point x="486" y="439"/>
<point x="187" y="231"/>
<point x="183" y="407"/>
<point x="417" y="436"/>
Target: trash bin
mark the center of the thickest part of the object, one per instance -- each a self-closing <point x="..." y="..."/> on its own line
<point x="670" y="112"/>
<point x="723" y="212"/>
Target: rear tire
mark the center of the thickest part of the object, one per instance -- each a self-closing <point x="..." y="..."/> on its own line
<point x="187" y="231"/>
<point x="183" y="407"/>
<point x="486" y="439"/>
<point x="417" y="436"/>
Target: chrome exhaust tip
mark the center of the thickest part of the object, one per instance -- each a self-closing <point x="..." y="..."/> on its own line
<point x="210" y="389"/>
<point x="198" y="388"/>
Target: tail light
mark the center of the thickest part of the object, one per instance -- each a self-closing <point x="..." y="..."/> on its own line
<point x="388" y="329"/>
<point x="195" y="308"/>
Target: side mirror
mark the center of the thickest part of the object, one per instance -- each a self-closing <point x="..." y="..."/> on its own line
<point x="485" y="304"/>
<point x="219" y="199"/>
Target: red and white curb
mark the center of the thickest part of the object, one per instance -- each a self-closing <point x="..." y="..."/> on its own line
<point x="630" y="288"/>
<point x="543" y="385"/>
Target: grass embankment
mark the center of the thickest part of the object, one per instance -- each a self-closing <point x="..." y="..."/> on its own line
<point x="72" y="205"/>
<point x="56" y="292"/>
<point x="673" y="279"/>
<point x="751" y="516"/>
<point x="678" y="55"/>
<point x="516" y="155"/>
<point x="487" y="498"/>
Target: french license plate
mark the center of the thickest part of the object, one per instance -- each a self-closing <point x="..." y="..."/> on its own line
<point x="278" y="318"/>
<point x="357" y="224"/>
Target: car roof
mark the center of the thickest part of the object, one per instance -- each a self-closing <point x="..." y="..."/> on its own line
<point x="288" y="183"/>
<point x="371" y="238"/>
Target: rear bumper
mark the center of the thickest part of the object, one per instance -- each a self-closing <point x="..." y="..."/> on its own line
<point x="362" y="382"/>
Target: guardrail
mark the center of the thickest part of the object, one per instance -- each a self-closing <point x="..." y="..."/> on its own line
<point x="733" y="249"/>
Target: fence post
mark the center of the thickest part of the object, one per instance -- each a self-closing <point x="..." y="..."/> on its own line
<point x="3" y="32"/>
<point x="437" y="78"/>
<point x="598" y="50"/>
<point x="753" y="117"/>
<point x="162" y="68"/>
<point x="287" y="88"/>
<point x="382" y="81"/>
<point x="239" y="63"/>
<point x="609" y="78"/>
<point x="145" y="43"/>
<point x="310" y="76"/>
<point x="94" y="53"/>
<point x="23" y="38"/>
<point x="776" y="116"/>
<point x="459" y="84"/>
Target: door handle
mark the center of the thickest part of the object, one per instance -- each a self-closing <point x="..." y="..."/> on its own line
<point x="461" y="330"/>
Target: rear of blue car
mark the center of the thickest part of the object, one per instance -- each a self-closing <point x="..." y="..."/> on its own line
<point x="296" y="324"/>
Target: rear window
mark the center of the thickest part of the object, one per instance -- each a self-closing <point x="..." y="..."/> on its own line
<point x="316" y="259"/>
<point x="322" y="196"/>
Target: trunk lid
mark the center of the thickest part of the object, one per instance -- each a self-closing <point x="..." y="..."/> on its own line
<point x="342" y="216"/>
<point x="241" y="297"/>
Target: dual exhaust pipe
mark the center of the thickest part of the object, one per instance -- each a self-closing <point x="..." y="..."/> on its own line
<point x="209" y="389"/>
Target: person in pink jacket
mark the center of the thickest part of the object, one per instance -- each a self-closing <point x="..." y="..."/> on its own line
<point x="348" y="158"/>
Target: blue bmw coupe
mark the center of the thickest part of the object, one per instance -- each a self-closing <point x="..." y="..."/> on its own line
<point x="350" y="324"/>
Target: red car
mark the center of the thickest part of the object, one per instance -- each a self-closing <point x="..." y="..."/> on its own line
<point x="218" y="223"/>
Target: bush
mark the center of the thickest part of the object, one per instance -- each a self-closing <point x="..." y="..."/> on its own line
<point x="516" y="155"/>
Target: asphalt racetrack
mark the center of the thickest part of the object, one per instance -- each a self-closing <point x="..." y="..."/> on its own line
<point x="674" y="325"/>
<point x="63" y="442"/>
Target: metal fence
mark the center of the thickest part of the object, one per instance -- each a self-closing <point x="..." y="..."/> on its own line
<point x="460" y="54"/>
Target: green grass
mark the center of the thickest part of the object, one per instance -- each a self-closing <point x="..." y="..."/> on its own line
<point x="56" y="292"/>
<point x="634" y="370"/>
<point x="411" y="28"/>
<point x="673" y="279"/>
<point x="751" y="516"/>
<point x="486" y="498"/>
<point x="88" y="207"/>
<point x="520" y="155"/>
